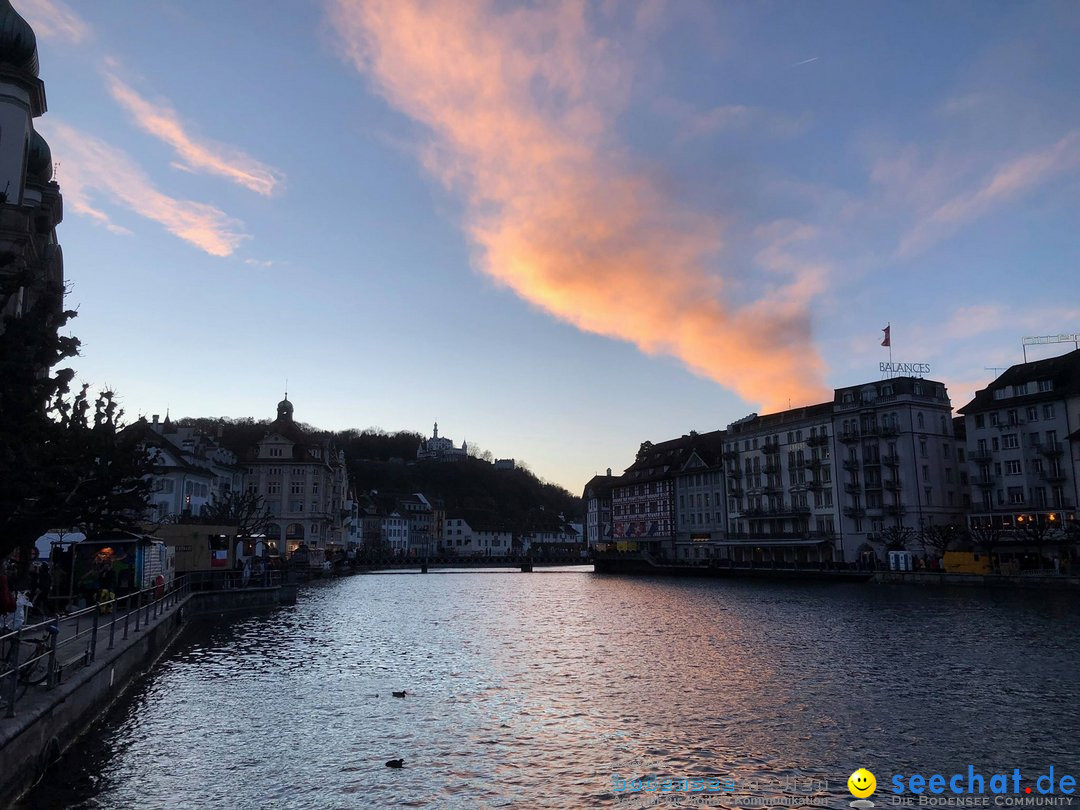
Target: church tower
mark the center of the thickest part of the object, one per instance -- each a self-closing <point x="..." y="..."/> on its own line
<point x="30" y="202"/>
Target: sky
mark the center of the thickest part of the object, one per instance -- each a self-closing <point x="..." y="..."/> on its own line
<point x="557" y="228"/>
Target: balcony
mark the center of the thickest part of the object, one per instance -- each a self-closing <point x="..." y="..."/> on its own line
<point x="818" y="441"/>
<point x="854" y="511"/>
<point x="891" y="461"/>
<point x="982" y="456"/>
<point x="770" y="447"/>
<point x="735" y="472"/>
<point x="852" y="489"/>
<point x="731" y="454"/>
<point x="1051" y="449"/>
<point x="771" y="468"/>
<point x="850" y="464"/>
<point x="815" y="485"/>
<point x="849" y="436"/>
<point x="895" y="509"/>
<point x="892" y="486"/>
<point x="754" y="511"/>
<point x="735" y="491"/>
<point x="889" y="429"/>
<point x="872" y="485"/>
<point x="1052" y="476"/>
<point x="985" y="481"/>
<point x="814" y="463"/>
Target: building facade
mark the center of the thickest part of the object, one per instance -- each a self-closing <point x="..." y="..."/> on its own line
<point x="31" y="207"/>
<point x="303" y="482"/>
<point x="1023" y="448"/>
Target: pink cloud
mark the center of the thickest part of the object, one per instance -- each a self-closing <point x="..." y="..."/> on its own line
<point x="54" y="19"/>
<point x="521" y="104"/>
<point x="92" y="168"/>
<point x="197" y="155"/>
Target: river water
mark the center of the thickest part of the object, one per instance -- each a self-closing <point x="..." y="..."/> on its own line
<point x="537" y="690"/>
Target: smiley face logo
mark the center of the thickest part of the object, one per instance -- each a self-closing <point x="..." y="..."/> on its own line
<point x="861" y="783"/>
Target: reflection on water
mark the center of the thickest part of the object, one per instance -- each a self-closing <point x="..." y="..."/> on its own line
<point x="534" y="690"/>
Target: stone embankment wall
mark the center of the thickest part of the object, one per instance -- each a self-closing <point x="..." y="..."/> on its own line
<point x="48" y="721"/>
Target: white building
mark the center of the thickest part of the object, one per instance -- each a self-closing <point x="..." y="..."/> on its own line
<point x="1023" y="445"/>
<point x="394" y="528"/>
<point x="439" y="448"/>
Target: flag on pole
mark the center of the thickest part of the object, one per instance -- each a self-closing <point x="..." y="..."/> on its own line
<point x="888" y="340"/>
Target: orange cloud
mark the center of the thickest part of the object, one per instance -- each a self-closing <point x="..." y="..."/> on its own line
<point x="54" y="19"/>
<point x="90" y="165"/>
<point x="163" y="123"/>
<point x="522" y="105"/>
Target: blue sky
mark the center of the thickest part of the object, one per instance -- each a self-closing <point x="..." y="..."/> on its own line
<point x="559" y="229"/>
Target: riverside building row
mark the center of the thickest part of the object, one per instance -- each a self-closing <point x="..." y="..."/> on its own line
<point x="841" y="481"/>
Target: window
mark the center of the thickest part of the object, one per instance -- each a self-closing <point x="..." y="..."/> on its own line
<point x="919" y="419"/>
<point x="1016" y="494"/>
<point x="1048" y="410"/>
<point x="275" y="451"/>
<point x="1046" y="385"/>
<point x="980" y="421"/>
<point x="1013" y="468"/>
<point x="273" y="488"/>
<point x="1032" y="413"/>
<point x="1010" y="441"/>
<point x="994" y="419"/>
<point x="297" y="488"/>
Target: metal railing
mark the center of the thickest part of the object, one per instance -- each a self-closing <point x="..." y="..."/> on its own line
<point x="40" y="654"/>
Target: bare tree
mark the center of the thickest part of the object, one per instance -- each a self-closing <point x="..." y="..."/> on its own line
<point x="896" y="537"/>
<point x="245" y="510"/>
<point x="986" y="538"/>
<point x="939" y="539"/>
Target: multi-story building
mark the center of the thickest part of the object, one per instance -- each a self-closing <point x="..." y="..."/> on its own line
<point x="837" y="481"/>
<point x="597" y="497"/>
<point x="1023" y="445"/>
<point x="643" y="498"/>
<point x="394" y="528"/>
<point x="193" y="470"/>
<point x="418" y="513"/>
<point x="899" y="467"/>
<point x="460" y="538"/>
<point x="782" y="497"/>
<point x="303" y="482"/>
<point x="30" y="204"/>
<point x="700" y="507"/>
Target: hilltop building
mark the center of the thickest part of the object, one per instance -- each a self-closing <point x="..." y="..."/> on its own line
<point x="439" y="448"/>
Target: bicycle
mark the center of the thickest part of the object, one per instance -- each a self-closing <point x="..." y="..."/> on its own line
<point x="33" y="668"/>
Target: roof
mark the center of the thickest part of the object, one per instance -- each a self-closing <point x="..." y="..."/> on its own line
<point x="656" y="461"/>
<point x="1063" y="372"/>
<point x="599" y="484"/>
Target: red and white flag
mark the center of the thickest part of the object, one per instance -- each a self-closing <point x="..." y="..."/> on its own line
<point x="888" y="338"/>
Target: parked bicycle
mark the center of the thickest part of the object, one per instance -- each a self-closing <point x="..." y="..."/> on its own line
<point x="34" y="656"/>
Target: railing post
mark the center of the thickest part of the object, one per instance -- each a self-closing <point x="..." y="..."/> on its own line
<point x="13" y="673"/>
<point x="138" y="610"/>
<point x="127" y="612"/>
<point x="93" y="635"/>
<point x="52" y="654"/>
<point x="112" y="624"/>
<point x="146" y="618"/>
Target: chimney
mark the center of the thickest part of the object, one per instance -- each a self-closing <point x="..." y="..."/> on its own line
<point x="609" y="472"/>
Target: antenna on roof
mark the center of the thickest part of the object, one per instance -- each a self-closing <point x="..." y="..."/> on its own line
<point x="995" y="369"/>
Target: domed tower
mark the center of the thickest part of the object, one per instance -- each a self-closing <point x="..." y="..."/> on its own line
<point x="285" y="409"/>
<point x="30" y="202"/>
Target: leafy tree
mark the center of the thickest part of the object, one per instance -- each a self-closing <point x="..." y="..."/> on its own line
<point x="1042" y="534"/>
<point x="62" y="463"/>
